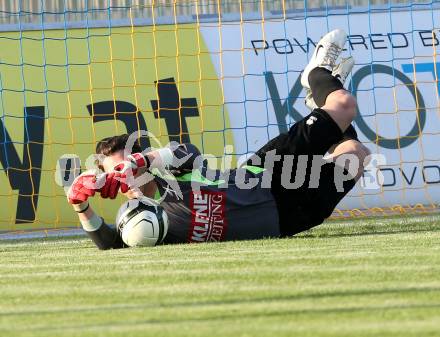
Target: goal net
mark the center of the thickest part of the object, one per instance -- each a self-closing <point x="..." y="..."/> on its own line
<point x="222" y="75"/>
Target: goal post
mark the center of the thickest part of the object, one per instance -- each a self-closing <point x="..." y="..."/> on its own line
<point x="216" y="76"/>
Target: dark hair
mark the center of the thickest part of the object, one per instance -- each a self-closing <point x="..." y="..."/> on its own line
<point x="110" y="145"/>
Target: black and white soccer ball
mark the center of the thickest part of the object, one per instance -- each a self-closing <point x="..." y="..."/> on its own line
<point x="141" y="223"/>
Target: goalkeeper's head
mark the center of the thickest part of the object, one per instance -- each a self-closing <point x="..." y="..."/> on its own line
<point x="114" y="150"/>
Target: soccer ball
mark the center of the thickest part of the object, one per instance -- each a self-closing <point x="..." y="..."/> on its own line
<point x="141" y="223"/>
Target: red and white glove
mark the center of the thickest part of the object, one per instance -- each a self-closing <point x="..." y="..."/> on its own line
<point x="125" y="170"/>
<point x="90" y="182"/>
<point x="83" y="187"/>
<point x="162" y="158"/>
<point x="132" y="164"/>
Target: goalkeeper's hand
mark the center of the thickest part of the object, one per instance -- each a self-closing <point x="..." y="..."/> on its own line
<point x="160" y="158"/>
<point x="132" y="164"/>
<point x="125" y="171"/>
<point x="90" y="182"/>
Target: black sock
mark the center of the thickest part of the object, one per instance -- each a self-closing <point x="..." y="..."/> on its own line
<point x="322" y="84"/>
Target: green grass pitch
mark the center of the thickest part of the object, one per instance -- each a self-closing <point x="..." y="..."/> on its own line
<point x="377" y="277"/>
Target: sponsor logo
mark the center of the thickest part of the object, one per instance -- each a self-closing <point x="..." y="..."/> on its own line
<point x="311" y="120"/>
<point x="317" y="49"/>
<point x="160" y="105"/>
<point x="383" y="40"/>
<point x="208" y="220"/>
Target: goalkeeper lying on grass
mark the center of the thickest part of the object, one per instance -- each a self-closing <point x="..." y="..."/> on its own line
<point x="265" y="198"/>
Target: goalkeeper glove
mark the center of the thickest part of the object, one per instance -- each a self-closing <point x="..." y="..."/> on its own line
<point x="163" y="158"/>
<point x="90" y="182"/>
<point x="132" y="164"/>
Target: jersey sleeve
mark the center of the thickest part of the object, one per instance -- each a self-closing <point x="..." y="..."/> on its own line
<point x="186" y="158"/>
<point x="350" y="133"/>
<point x="106" y="237"/>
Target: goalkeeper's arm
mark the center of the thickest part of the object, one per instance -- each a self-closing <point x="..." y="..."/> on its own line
<point x="179" y="158"/>
<point x="85" y="186"/>
<point x="104" y="236"/>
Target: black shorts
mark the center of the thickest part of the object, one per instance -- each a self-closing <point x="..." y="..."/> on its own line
<point x="302" y="208"/>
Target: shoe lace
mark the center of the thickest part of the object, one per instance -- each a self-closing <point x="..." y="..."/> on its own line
<point x="332" y="54"/>
<point x="341" y="70"/>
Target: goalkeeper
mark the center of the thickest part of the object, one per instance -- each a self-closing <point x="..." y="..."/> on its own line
<point x="207" y="205"/>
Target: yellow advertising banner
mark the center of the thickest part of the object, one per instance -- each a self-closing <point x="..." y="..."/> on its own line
<point x="64" y="90"/>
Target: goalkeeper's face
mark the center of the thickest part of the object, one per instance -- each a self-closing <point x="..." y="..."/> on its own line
<point x="114" y="159"/>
